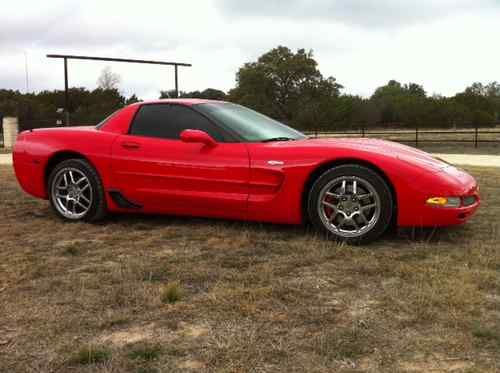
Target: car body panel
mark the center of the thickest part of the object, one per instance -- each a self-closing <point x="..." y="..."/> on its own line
<point x="253" y="181"/>
<point x="171" y="176"/>
<point x="34" y="149"/>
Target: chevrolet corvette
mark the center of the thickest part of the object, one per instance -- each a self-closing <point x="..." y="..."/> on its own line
<point x="218" y="159"/>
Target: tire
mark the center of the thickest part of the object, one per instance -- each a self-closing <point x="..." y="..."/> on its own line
<point x="351" y="203"/>
<point x="76" y="192"/>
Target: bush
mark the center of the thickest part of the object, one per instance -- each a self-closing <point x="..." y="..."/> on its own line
<point x="171" y="293"/>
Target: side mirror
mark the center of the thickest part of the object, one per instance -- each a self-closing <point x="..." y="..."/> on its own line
<point x="197" y="136"/>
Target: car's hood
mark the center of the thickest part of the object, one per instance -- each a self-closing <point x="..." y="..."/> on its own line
<point x="405" y="153"/>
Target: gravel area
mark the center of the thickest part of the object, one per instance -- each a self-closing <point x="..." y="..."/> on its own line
<point x="5" y="159"/>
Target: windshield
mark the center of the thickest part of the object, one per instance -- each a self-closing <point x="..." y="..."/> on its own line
<point x="248" y="124"/>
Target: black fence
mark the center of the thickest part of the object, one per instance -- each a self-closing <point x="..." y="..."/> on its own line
<point x="418" y="136"/>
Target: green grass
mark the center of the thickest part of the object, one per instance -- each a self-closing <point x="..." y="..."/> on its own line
<point x="487" y="336"/>
<point x="145" y="352"/>
<point x="90" y="355"/>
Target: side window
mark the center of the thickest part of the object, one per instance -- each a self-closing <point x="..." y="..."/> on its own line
<point x="168" y="121"/>
<point x="151" y="121"/>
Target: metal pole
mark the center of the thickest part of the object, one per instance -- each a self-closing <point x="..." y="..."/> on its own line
<point x="26" y="71"/>
<point x="66" y="95"/>
<point x="176" y="82"/>
<point x="416" y="136"/>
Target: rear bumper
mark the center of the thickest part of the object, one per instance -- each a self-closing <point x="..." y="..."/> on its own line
<point x="29" y="171"/>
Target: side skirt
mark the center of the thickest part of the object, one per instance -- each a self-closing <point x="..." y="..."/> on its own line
<point x="121" y="201"/>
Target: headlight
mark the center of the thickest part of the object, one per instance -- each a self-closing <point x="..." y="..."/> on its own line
<point x="444" y="201"/>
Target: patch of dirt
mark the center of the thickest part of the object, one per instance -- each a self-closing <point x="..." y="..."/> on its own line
<point x="191" y="364"/>
<point x="131" y="335"/>
<point x="194" y="331"/>
<point x="437" y="365"/>
<point x="77" y="242"/>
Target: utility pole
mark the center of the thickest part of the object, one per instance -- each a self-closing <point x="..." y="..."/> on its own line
<point x="26" y="72"/>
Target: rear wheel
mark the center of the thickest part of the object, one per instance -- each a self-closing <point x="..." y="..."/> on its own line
<point x="351" y="203"/>
<point x="76" y="192"/>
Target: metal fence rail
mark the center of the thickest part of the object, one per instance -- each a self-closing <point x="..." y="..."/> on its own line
<point x="42" y="123"/>
<point x="417" y="135"/>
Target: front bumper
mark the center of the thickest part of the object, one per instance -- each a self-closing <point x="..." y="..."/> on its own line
<point x="450" y="182"/>
<point x="445" y="216"/>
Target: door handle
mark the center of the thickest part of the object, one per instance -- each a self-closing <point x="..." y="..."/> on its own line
<point x="130" y="145"/>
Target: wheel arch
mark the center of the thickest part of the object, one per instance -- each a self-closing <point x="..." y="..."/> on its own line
<point x="322" y="168"/>
<point x="60" y="156"/>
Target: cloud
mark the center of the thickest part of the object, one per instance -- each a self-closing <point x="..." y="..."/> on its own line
<point x="444" y="44"/>
<point x="365" y="13"/>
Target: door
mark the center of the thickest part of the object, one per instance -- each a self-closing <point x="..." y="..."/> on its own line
<point x="153" y="168"/>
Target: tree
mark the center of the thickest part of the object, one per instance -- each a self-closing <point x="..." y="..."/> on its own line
<point x="401" y="103"/>
<point x="108" y="79"/>
<point x="493" y="89"/>
<point x="169" y="94"/>
<point x="287" y="86"/>
<point x="481" y="101"/>
<point x="132" y="100"/>
<point x="208" y="94"/>
<point x="414" y="89"/>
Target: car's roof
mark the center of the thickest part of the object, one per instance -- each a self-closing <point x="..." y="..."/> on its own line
<point x="181" y="101"/>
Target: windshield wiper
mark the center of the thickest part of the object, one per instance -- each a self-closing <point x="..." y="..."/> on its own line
<point x="278" y="139"/>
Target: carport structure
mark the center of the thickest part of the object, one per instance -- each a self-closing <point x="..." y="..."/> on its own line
<point x="67" y="57"/>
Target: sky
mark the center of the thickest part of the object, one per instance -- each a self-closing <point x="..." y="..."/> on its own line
<point x="445" y="45"/>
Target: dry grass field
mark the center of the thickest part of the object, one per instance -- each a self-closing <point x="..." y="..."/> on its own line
<point x="162" y="294"/>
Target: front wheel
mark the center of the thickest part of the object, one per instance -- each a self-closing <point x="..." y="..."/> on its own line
<point x="352" y="203"/>
<point x="76" y="192"/>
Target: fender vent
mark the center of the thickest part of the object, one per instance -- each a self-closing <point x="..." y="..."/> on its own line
<point x="121" y="201"/>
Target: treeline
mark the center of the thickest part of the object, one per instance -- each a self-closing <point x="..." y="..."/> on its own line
<point x="287" y="86"/>
<point x="85" y="106"/>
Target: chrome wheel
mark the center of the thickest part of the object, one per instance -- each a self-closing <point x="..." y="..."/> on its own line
<point x="71" y="193"/>
<point x="349" y="206"/>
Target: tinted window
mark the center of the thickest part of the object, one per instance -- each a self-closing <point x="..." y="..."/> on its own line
<point x="168" y="121"/>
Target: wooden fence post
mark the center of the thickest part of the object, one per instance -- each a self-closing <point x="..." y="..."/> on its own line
<point x="476" y="135"/>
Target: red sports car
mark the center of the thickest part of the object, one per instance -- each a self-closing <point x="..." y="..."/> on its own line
<point x="218" y="159"/>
